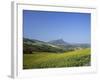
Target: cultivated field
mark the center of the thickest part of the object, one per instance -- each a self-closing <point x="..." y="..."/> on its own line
<point x="74" y="58"/>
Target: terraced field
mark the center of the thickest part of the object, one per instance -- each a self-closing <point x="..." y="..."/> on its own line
<point x="55" y="60"/>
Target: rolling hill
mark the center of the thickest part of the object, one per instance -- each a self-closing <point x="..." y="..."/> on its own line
<point x="32" y="45"/>
<point x="58" y="46"/>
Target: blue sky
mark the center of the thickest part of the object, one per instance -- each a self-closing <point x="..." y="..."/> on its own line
<point x="46" y="26"/>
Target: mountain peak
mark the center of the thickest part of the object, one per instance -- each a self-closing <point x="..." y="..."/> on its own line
<point x="58" y="42"/>
<point x="60" y="39"/>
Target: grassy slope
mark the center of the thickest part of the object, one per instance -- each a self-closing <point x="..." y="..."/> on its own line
<point x="49" y="60"/>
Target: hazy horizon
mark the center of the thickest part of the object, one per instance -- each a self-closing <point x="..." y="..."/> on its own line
<point x="46" y="26"/>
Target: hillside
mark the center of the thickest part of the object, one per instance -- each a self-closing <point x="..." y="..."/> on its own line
<point x="40" y="54"/>
<point x="47" y="60"/>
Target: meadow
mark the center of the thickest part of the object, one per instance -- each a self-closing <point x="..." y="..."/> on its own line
<point x="74" y="58"/>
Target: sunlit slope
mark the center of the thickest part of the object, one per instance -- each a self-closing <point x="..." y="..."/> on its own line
<point x="51" y="60"/>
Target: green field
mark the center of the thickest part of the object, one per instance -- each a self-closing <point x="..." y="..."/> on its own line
<point x="55" y="60"/>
